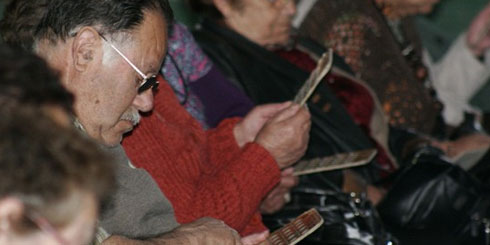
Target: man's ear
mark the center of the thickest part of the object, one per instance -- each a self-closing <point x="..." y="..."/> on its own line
<point x="11" y="214"/>
<point x="224" y="7"/>
<point x="85" y="46"/>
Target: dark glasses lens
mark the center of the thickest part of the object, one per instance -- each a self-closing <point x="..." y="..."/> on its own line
<point x="151" y="82"/>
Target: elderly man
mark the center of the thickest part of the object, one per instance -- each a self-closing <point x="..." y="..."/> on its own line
<point x="108" y="57"/>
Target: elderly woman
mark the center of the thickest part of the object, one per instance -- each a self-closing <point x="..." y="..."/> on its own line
<point x="238" y="38"/>
<point x="250" y="41"/>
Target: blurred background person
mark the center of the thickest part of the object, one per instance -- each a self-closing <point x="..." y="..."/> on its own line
<point x="54" y="180"/>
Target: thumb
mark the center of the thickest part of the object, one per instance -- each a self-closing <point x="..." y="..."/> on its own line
<point x="270" y="110"/>
<point x="287" y="113"/>
<point x="287" y="172"/>
<point x="255" y="239"/>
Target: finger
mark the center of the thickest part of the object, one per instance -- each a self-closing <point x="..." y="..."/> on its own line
<point x="266" y="242"/>
<point x="275" y="203"/>
<point x="274" y="108"/>
<point x="486" y="41"/>
<point x="276" y="191"/>
<point x="484" y="44"/>
<point x="287" y="113"/>
<point x="478" y="24"/>
<point x="301" y="117"/>
<point x="268" y="111"/>
<point x="256" y="238"/>
<point x="485" y="11"/>
<point x="441" y="145"/>
<point x="236" y="237"/>
<point x="287" y="172"/>
<point x="288" y="182"/>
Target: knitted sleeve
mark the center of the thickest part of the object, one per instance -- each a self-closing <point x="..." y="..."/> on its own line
<point x="201" y="173"/>
<point x="221" y="143"/>
<point x="234" y="193"/>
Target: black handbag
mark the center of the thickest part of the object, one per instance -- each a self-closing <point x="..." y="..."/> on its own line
<point x="431" y="195"/>
<point x="349" y="219"/>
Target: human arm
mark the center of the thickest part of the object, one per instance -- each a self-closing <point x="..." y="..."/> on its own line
<point x="232" y="194"/>
<point x="397" y="9"/>
<point x="465" y="144"/>
<point x="180" y="156"/>
<point x="243" y="177"/>
<point x="282" y="129"/>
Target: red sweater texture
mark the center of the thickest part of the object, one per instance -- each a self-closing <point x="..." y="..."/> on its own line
<point x="202" y="173"/>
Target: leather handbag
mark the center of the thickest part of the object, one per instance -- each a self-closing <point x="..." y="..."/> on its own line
<point x="349" y="218"/>
<point x="430" y="193"/>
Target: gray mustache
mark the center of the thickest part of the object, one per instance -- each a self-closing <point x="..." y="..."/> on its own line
<point x="133" y="116"/>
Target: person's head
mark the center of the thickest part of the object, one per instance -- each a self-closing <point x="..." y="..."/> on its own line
<point x="52" y="180"/>
<point x="265" y="22"/>
<point x="26" y="79"/>
<point x="79" y="38"/>
<point x="20" y="22"/>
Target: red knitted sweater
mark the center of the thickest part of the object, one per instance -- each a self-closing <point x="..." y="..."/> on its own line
<point x="202" y="173"/>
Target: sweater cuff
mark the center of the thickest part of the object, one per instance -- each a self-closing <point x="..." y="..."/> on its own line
<point x="264" y="171"/>
<point x="254" y="226"/>
<point x="222" y="137"/>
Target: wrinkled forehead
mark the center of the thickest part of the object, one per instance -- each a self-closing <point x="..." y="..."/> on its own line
<point x="153" y="34"/>
<point x="149" y="40"/>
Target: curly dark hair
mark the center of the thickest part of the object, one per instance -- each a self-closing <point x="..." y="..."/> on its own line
<point x="26" y="78"/>
<point x="20" y="21"/>
<point x="43" y="163"/>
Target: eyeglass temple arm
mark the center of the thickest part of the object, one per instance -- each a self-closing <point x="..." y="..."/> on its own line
<point x="126" y="59"/>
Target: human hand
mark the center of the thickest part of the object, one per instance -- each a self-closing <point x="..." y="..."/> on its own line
<point x="207" y="231"/>
<point x="286" y="135"/>
<point x="396" y="9"/>
<point x="275" y="200"/>
<point x="246" y="130"/>
<point x="464" y="144"/>
<point x="478" y="34"/>
<point x="256" y="239"/>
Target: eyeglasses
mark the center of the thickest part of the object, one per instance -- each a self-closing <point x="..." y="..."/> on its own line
<point x="45" y="226"/>
<point x="148" y="81"/>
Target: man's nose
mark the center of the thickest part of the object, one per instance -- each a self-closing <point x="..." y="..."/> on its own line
<point x="144" y="101"/>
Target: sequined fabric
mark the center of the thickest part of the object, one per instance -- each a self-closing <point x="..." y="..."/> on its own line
<point x="357" y="31"/>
